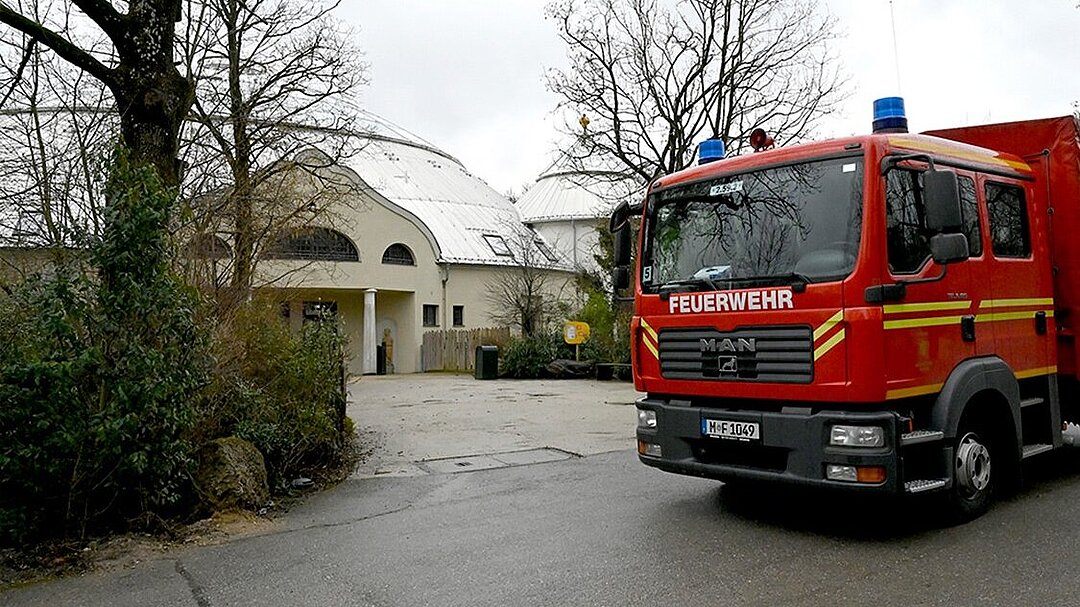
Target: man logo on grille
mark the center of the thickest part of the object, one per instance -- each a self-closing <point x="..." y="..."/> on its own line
<point x="726" y="344"/>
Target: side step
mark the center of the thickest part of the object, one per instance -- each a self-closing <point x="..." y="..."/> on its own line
<point x="1033" y="450"/>
<point x="924" y="485"/>
<point x="920" y="436"/>
<point x="1031" y="402"/>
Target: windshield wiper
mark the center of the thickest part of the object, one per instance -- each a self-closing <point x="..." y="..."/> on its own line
<point x="797" y="281"/>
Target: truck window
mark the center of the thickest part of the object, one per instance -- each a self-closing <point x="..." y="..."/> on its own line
<point x="908" y="238"/>
<point x="1008" y="220"/>
<point x="969" y="212"/>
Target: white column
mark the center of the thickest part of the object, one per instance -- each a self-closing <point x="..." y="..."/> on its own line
<point x="370" y="339"/>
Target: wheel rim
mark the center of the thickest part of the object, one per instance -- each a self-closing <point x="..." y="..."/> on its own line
<point x="972" y="465"/>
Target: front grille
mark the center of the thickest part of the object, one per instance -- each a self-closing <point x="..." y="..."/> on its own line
<point x="765" y="354"/>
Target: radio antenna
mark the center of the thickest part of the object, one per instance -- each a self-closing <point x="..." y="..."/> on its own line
<point x="896" y="53"/>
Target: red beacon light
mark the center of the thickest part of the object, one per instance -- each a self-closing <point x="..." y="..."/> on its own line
<point x="760" y="140"/>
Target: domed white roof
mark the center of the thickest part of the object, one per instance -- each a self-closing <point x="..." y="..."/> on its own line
<point x="470" y="221"/>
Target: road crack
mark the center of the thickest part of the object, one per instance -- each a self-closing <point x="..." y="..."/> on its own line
<point x="197" y="592"/>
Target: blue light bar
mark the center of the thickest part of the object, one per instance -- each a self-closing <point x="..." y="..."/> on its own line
<point x="889" y="115"/>
<point x="710" y="150"/>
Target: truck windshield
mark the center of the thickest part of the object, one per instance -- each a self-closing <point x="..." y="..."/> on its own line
<point x="796" y="223"/>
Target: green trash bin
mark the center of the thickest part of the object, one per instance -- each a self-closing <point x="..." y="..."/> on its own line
<point x="487" y="362"/>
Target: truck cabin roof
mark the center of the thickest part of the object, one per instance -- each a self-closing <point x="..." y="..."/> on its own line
<point x="946" y="152"/>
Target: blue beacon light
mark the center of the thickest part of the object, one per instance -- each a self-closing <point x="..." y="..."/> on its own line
<point x="710" y="150"/>
<point x="889" y="115"/>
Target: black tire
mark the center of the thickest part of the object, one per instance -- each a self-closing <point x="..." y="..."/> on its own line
<point x="976" y="471"/>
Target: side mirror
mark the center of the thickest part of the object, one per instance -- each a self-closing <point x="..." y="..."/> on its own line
<point x="620" y="229"/>
<point x="619" y="217"/>
<point x="941" y="193"/>
<point x="620" y="277"/>
<point x="622" y="246"/>
<point x="949" y="248"/>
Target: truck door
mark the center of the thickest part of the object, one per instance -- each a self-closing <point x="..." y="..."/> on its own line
<point x="1021" y="308"/>
<point x="926" y="331"/>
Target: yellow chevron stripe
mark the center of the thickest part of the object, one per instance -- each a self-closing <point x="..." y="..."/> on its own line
<point x="1000" y="316"/>
<point x="828" y="345"/>
<point x="915" y="391"/>
<point x="929" y="306"/>
<point x="1035" y="372"/>
<point x="914" y="323"/>
<point x="828" y="324"/>
<point x="651" y="348"/>
<point x="649" y="330"/>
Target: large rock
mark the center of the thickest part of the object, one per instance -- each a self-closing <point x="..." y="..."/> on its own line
<point x="569" y="369"/>
<point x="231" y="475"/>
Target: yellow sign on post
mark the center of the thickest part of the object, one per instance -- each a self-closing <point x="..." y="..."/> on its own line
<point x="575" y="333"/>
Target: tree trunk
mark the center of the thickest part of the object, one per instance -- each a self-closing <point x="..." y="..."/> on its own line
<point x="153" y="98"/>
<point x="152" y="110"/>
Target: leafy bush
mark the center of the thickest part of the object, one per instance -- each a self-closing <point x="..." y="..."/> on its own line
<point x="528" y="357"/>
<point x="108" y="383"/>
<point x="609" y="335"/>
<point x="280" y="390"/>
<point x="96" y="378"/>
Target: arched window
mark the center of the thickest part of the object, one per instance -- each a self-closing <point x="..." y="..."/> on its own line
<point x="207" y="246"/>
<point x="399" y="255"/>
<point x="317" y="244"/>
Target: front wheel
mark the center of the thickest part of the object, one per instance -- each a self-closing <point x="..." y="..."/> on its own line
<point x="974" y="476"/>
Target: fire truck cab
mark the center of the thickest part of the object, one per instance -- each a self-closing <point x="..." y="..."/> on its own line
<point x="886" y="314"/>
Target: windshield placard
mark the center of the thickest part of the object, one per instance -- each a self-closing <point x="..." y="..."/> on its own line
<point x="732" y="187"/>
<point x="730" y="301"/>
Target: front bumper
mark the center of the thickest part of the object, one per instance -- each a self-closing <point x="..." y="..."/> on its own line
<point x="793" y="448"/>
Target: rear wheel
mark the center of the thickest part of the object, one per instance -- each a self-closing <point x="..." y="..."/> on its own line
<point x="974" y="476"/>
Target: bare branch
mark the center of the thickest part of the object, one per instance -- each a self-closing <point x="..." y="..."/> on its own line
<point x="60" y="45"/>
<point x="656" y="77"/>
<point x="102" y="12"/>
<point x="19" y="71"/>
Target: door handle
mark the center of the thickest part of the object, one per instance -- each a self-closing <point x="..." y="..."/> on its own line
<point x="967" y="327"/>
<point x="1040" y="323"/>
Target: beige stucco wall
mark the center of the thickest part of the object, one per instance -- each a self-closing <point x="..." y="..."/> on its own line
<point x="395" y="323"/>
<point x="468" y="286"/>
<point x="373" y="225"/>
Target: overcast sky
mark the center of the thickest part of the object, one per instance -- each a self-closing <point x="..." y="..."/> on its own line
<point x="467" y="75"/>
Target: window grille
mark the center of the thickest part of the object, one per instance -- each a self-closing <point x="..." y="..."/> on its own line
<point x="314" y="244"/>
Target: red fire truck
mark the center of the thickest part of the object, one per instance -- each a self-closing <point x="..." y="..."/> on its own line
<point x="890" y="314"/>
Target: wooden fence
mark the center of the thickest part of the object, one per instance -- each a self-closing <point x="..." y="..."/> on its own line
<point x="455" y="350"/>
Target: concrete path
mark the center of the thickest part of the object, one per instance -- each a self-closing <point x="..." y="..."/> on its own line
<point x="421" y="424"/>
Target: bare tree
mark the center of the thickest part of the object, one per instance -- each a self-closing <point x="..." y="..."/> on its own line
<point x="527" y="294"/>
<point x="275" y="79"/>
<point x="57" y="128"/>
<point x="152" y="96"/>
<point x="648" y="79"/>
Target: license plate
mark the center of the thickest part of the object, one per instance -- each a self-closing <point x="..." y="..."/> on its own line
<point x="731" y="430"/>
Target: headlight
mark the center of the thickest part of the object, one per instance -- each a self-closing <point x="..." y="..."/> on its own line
<point x="857" y="436"/>
<point x="646" y="418"/>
